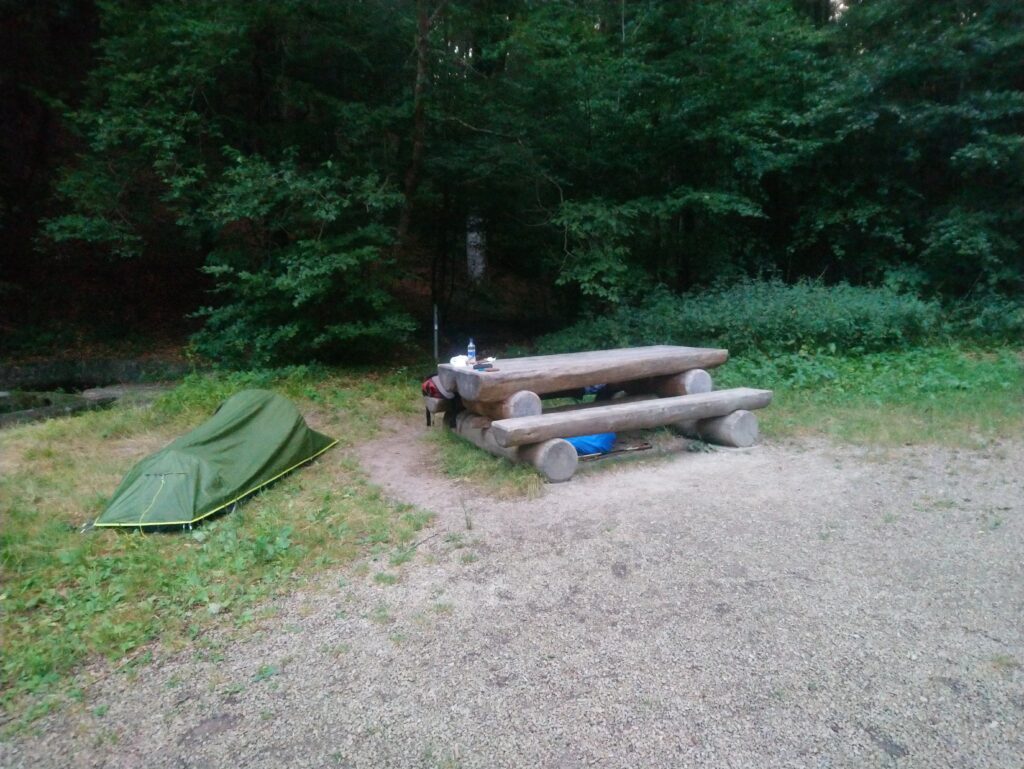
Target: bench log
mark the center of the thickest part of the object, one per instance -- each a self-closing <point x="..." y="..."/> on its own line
<point x="626" y="416"/>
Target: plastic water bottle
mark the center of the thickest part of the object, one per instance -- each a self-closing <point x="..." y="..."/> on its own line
<point x="471" y="352"/>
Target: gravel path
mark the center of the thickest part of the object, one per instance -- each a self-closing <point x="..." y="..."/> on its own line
<point x="791" y="605"/>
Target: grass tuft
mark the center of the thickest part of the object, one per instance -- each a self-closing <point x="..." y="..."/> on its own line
<point x="937" y="395"/>
<point x="494" y="476"/>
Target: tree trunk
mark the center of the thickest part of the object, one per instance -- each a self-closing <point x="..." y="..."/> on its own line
<point x="476" y="247"/>
<point x="424" y="22"/>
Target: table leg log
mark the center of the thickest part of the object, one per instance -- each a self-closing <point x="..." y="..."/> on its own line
<point x="556" y="459"/>
<point x="521" y="404"/>
<point x="691" y="382"/>
<point x="738" y="429"/>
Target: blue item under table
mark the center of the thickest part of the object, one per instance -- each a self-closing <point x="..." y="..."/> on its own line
<point x="601" y="443"/>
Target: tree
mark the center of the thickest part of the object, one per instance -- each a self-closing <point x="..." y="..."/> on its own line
<point x="325" y="163"/>
<point x="920" y="171"/>
<point x="259" y="136"/>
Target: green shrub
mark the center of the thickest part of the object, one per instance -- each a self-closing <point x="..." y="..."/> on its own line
<point x="991" y="318"/>
<point x="301" y="265"/>
<point x="770" y="316"/>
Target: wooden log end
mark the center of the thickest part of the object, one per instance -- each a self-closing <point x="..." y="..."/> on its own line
<point x="519" y="404"/>
<point x="738" y="429"/>
<point x="556" y="459"/>
<point x="697" y="381"/>
<point x="448" y="379"/>
<point x="691" y="382"/>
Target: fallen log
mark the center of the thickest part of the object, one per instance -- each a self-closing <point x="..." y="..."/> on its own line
<point x="626" y="416"/>
<point x="738" y="429"/>
<point x="520" y="404"/>
<point x="555" y="459"/>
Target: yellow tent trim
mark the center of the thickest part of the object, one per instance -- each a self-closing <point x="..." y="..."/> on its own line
<point x="217" y="509"/>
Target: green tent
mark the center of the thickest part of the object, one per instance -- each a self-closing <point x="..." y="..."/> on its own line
<point x="254" y="438"/>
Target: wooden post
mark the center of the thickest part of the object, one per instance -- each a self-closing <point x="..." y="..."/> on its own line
<point x="555" y="459"/>
<point x="738" y="429"/>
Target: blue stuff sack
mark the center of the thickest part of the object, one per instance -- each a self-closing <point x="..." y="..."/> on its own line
<point x="593" y="444"/>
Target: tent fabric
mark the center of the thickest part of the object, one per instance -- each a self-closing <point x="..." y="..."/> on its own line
<point x="253" y="438"/>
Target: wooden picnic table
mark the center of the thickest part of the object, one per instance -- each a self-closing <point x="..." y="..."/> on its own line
<point x="664" y="384"/>
<point x="543" y="374"/>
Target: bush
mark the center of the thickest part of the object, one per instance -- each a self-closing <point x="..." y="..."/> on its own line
<point x="768" y="316"/>
<point x="992" y="318"/>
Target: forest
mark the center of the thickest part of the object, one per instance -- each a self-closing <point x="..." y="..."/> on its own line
<point x="288" y="181"/>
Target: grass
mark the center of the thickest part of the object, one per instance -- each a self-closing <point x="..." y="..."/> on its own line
<point x="495" y="476"/>
<point x="939" y="395"/>
<point x="69" y="598"/>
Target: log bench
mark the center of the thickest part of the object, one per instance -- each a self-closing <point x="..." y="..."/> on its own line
<point x="637" y="415"/>
<point x="655" y="386"/>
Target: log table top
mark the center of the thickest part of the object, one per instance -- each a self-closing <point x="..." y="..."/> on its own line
<point x="553" y="373"/>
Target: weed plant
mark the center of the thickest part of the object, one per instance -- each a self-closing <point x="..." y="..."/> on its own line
<point x="763" y="315"/>
<point x="869" y="365"/>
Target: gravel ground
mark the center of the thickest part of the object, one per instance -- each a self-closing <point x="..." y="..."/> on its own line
<point x="791" y="605"/>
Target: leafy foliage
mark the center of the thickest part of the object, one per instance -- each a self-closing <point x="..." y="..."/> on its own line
<point x="321" y="162"/>
<point x="244" y="132"/>
<point x="761" y="315"/>
<point x="298" y="285"/>
<point x="921" y="155"/>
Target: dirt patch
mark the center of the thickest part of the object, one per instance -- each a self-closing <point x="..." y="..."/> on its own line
<point x="796" y="604"/>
